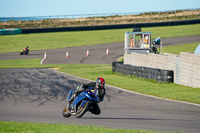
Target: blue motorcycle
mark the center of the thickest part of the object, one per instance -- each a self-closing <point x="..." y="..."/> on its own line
<point x="82" y="103"/>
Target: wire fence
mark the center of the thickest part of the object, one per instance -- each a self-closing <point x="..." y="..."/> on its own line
<point x="98" y="19"/>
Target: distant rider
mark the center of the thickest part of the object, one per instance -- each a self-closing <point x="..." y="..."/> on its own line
<point x="100" y="85"/>
<point x="26" y="50"/>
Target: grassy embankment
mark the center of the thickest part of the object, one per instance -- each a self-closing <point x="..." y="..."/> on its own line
<point x="146" y="17"/>
<point x="13" y="43"/>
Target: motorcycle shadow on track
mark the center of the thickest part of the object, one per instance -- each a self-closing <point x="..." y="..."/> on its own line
<point x="125" y="118"/>
<point x="35" y="54"/>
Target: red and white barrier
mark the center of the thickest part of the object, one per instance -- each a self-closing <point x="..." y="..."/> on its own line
<point x="67" y="54"/>
<point x="87" y="53"/>
<point x="107" y="51"/>
<point x="45" y="55"/>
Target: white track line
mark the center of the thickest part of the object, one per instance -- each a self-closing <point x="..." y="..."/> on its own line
<point x="44" y="58"/>
<point x="41" y="62"/>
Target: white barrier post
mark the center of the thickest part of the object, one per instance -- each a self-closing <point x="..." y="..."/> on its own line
<point x="87" y="53"/>
<point x="107" y="51"/>
<point x="67" y="54"/>
<point x="45" y="55"/>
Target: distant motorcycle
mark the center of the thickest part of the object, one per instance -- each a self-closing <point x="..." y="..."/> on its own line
<point x="24" y="51"/>
<point x="82" y="103"/>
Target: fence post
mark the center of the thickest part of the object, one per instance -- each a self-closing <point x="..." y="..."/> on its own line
<point x="177" y="70"/>
<point x="143" y="15"/>
<point x="167" y="15"/>
<point x="199" y="11"/>
<point x="19" y="20"/>
<point x="126" y="42"/>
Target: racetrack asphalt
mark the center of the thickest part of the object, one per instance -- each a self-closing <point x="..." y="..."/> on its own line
<point x="39" y="95"/>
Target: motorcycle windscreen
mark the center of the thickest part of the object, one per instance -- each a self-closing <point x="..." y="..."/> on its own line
<point x="70" y="94"/>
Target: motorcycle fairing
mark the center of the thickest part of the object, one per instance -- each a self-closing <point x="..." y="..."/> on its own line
<point x="83" y="95"/>
<point x="70" y="94"/>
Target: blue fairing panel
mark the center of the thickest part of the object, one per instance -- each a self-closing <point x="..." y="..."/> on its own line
<point x="84" y="95"/>
<point x="79" y="98"/>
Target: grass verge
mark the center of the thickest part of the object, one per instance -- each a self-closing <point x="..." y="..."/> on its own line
<point x="20" y="63"/>
<point x="176" y="49"/>
<point x="13" y="43"/>
<point x="164" y="90"/>
<point x="25" y="127"/>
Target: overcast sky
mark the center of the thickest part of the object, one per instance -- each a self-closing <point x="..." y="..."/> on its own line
<point x="26" y="8"/>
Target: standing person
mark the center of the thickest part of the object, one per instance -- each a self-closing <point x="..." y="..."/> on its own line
<point x="157" y="40"/>
<point x="132" y="42"/>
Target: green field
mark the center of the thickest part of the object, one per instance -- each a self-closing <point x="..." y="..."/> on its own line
<point x="13" y="43"/>
<point x="25" y="127"/>
<point x="176" y="49"/>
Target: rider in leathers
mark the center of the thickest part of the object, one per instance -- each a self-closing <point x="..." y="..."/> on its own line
<point x="99" y="84"/>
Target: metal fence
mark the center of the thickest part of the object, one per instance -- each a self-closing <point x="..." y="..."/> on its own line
<point x="98" y="19"/>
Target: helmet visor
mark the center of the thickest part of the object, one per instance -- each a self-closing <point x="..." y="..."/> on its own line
<point x="101" y="85"/>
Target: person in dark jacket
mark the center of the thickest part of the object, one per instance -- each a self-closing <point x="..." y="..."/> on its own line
<point x="100" y="85"/>
<point x="26" y="50"/>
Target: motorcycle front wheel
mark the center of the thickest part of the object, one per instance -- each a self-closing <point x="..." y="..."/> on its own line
<point x="66" y="112"/>
<point x="82" y="108"/>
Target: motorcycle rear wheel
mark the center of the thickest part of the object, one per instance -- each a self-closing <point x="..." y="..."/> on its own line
<point x="66" y="112"/>
<point x="82" y="110"/>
